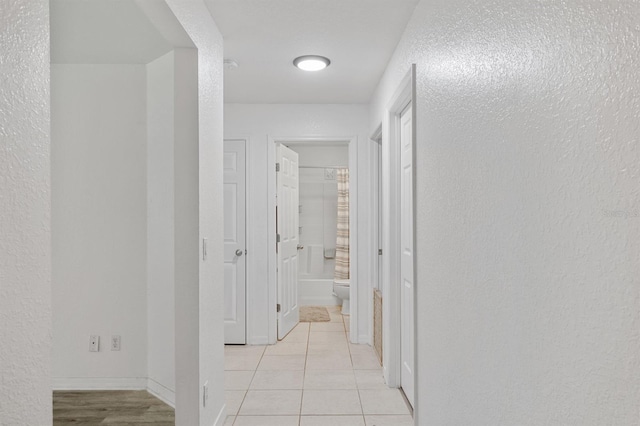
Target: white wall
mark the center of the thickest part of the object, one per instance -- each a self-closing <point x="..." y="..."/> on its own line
<point x="527" y="210"/>
<point x="322" y="156"/>
<point x="160" y="228"/>
<point x="186" y="239"/>
<point x="99" y="220"/>
<point x="258" y="122"/>
<point x="206" y="303"/>
<point x="25" y="230"/>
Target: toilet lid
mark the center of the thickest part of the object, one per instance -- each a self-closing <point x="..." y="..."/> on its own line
<point x="341" y="282"/>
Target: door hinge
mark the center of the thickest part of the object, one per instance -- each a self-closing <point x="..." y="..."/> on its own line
<point x="277" y="167"/>
<point x="379" y="252"/>
<point x="278" y="308"/>
<point x="277" y="238"/>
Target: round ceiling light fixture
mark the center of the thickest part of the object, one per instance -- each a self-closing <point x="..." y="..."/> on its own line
<point x="311" y="62"/>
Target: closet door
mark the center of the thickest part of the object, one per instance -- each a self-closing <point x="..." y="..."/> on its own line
<point x="235" y="242"/>
<point x="406" y="241"/>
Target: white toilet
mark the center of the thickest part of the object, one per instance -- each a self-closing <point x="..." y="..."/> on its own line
<point x="341" y="290"/>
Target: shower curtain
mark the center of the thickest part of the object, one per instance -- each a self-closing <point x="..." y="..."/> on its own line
<point x="342" y="240"/>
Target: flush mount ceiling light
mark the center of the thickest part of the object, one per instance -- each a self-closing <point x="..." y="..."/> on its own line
<point x="311" y="62"/>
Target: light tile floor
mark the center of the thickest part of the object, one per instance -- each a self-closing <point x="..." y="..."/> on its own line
<point x="314" y="377"/>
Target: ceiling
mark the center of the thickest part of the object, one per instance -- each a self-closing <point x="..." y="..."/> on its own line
<point x="264" y="36"/>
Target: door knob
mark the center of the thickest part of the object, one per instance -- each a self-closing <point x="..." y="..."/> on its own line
<point x="238" y="252"/>
<point x="300" y="247"/>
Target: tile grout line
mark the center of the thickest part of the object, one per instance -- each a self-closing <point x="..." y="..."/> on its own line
<point x="304" y="374"/>
<point x="348" y="347"/>
<point x="354" y="372"/>
<point x="247" y="391"/>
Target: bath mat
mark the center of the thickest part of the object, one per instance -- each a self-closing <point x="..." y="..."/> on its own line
<point x="314" y="314"/>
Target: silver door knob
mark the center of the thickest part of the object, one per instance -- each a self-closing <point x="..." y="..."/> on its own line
<point x="300" y="247"/>
<point x="238" y="252"/>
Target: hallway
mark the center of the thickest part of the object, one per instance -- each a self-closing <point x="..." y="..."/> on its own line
<point x="313" y="377"/>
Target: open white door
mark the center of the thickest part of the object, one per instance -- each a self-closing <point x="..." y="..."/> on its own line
<point x="287" y="240"/>
<point x="406" y="241"/>
<point x="234" y="242"/>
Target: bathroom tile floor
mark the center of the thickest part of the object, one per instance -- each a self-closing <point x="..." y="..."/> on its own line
<point x="314" y="377"/>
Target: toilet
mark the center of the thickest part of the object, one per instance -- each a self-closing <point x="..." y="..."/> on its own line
<point x="341" y="290"/>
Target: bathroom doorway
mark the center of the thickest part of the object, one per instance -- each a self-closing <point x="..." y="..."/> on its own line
<point x="319" y="170"/>
<point x="305" y="273"/>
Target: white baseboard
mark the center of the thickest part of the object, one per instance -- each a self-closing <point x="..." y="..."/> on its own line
<point x="364" y="339"/>
<point x="162" y="392"/>
<point x="258" y="340"/>
<point x="222" y="416"/>
<point x="99" y="383"/>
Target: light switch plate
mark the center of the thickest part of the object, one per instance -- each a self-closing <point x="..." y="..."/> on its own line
<point x="204" y="249"/>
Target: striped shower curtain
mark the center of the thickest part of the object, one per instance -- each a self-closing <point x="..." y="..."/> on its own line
<point x="342" y="240"/>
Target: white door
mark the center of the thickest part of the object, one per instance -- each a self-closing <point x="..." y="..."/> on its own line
<point x="287" y="247"/>
<point x="234" y="242"/>
<point x="406" y="241"/>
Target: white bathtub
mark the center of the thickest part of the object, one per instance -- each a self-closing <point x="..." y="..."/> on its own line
<point x="316" y="292"/>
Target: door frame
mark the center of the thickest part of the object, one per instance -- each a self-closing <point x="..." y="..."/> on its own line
<point x="375" y="159"/>
<point x="248" y="251"/>
<point x="272" y="280"/>
<point x="375" y="218"/>
<point x="403" y="96"/>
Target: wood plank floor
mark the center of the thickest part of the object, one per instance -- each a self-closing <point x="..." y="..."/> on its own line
<point x="110" y="408"/>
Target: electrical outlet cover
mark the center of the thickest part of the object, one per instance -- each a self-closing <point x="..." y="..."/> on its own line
<point x="94" y="343"/>
<point x="115" y="343"/>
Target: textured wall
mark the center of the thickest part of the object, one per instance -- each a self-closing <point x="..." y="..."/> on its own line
<point x="25" y="242"/>
<point x="528" y="216"/>
<point x="207" y="356"/>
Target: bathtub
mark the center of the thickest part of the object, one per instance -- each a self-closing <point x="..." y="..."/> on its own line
<point x="316" y="292"/>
